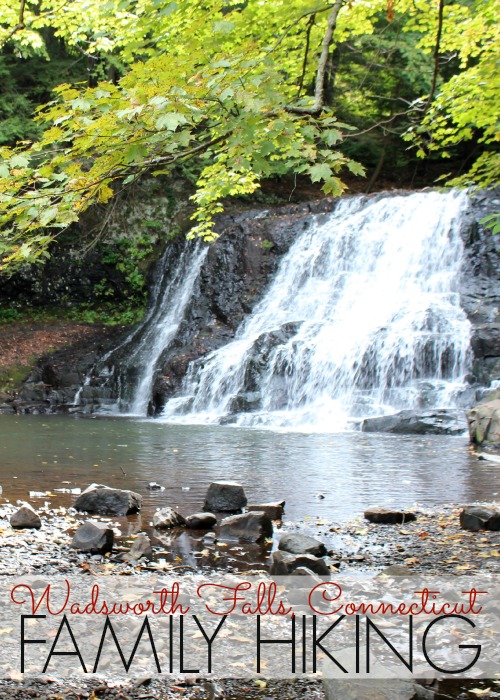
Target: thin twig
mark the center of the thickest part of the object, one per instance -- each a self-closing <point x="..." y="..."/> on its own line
<point x="20" y="24"/>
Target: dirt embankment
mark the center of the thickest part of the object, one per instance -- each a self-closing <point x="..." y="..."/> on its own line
<point x="26" y="347"/>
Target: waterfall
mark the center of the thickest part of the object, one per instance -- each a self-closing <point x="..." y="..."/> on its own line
<point x="363" y="318"/>
<point x="133" y="364"/>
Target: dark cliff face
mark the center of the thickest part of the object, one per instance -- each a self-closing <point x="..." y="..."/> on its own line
<point x="480" y="286"/>
<point x="237" y="270"/>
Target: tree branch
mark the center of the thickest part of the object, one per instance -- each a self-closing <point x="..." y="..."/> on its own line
<point x="312" y="19"/>
<point x="20" y="25"/>
<point x="319" y="91"/>
<point x="436" y="55"/>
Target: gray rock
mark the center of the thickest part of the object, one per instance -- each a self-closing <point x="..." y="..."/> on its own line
<point x="284" y="563"/>
<point x="494" y="522"/>
<point x="273" y="510"/>
<point x="141" y="549"/>
<point x="225" y="496"/>
<point x="248" y="527"/>
<point x="295" y="543"/>
<point x="374" y="688"/>
<point x="435" y="422"/>
<point x="166" y="518"/>
<point x="396" y="571"/>
<point x="485" y="341"/>
<point x="484" y="423"/>
<point x="388" y="516"/>
<point x="201" y="521"/>
<point x="93" y="537"/>
<point x="476" y="518"/>
<point x="26" y="518"/>
<point x="108" y="501"/>
<point x="154" y="486"/>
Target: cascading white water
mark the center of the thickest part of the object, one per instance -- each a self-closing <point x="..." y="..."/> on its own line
<point x="164" y="324"/>
<point x="158" y="329"/>
<point x="363" y="318"/>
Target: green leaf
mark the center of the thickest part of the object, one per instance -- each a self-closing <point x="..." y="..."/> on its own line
<point x="170" y="121"/>
<point x="320" y="172"/>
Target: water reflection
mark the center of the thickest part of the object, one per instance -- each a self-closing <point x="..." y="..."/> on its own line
<point x="351" y="470"/>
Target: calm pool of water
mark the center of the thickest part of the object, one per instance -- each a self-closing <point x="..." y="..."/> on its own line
<point x="351" y="470"/>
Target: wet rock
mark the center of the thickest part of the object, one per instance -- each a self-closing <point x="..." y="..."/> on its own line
<point x="273" y="510"/>
<point x="153" y="486"/>
<point x="93" y="537"/>
<point x="108" y="501"/>
<point x="388" y="516"/>
<point x="477" y="518"/>
<point x="296" y="543"/>
<point x="494" y="522"/>
<point x="201" y="521"/>
<point x="484" y="423"/>
<point x="374" y="688"/>
<point x="141" y="549"/>
<point x="248" y="527"/>
<point x="284" y="563"/>
<point x="435" y="422"/>
<point x="225" y="496"/>
<point x="485" y="340"/>
<point x="166" y="518"/>
<point x="26" y="518"/>
<point x="395" y="570"/>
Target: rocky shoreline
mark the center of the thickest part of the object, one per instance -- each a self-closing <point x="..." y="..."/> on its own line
<point x="451" y="539"/>
<point x="388" y="541"/>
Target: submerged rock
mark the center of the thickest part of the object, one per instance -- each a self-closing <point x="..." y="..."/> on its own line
<point x="225" y="496"/>
<point x="166" y="518"/>
<point x="284" y="563"/>
<point x="105" y="500"/>
<point x="93" y="537"/>
<point x="201" y="521"/>
<point x="477" y="518"/>
<point x="154" y="486"/>
<point x="388" y="516"/>
<point x="296" y="543"/>
<point x="141" y="549"/>
<point x="26" y="518"/>
<point x="435" y="422"/>
<point x="484" y="422"/>
<point x="248" y="527"/>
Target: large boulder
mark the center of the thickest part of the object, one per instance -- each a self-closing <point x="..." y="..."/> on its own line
<point x="484" y="422"/>
<point x="26" y="518"/>
<point x="93" y="537"/>
<point x="477" y="518"/>
<point x="225" y="496"/>
<point x="295" y="543"/>
<point x="105" y="500"/>
<point x="284" y="563"/>
<point x="201" y="521"/>
<point x="248" y="527"/>
<point x="388" y="516"/>
<point x="434" y="422"/>
<point x="166" y="518"/>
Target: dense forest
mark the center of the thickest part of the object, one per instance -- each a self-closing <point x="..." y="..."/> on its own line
<point x="232" y="95"/>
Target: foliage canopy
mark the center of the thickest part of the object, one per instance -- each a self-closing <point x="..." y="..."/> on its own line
<point x="243" y="90"/>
